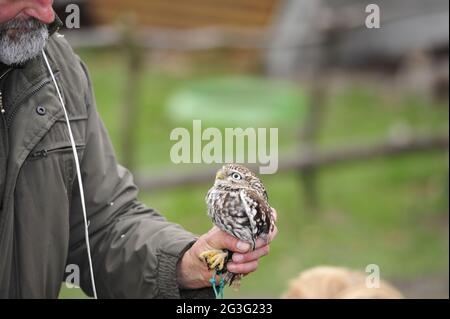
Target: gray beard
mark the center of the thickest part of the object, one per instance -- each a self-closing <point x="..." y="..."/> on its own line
<point x="25" y="44"/>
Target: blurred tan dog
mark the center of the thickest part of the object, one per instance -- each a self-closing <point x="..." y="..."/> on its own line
<point x="328" y="282"/>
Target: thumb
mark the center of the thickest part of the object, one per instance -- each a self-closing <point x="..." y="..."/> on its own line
<point x="218" y="239"/>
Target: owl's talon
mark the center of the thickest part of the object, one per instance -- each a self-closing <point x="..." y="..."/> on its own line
<point x="215" y="258"/>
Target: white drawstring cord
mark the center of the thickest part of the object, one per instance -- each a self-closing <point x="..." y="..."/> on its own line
<point x="80" y="182"/>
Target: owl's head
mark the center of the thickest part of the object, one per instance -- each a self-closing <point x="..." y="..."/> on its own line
<point x="237" y="176"/>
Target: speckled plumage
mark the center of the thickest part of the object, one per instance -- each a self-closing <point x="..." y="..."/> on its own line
<point x="238" y="204"/>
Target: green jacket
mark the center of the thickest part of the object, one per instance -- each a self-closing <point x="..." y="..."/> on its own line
<point x="135" y="250"/>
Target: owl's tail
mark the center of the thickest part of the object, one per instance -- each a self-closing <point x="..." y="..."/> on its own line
<point x="233" y="280"/>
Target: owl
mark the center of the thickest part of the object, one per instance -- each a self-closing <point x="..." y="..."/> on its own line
<point x="237" y="204"/>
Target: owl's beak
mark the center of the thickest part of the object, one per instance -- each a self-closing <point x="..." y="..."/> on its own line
<point x="220" y="175"/>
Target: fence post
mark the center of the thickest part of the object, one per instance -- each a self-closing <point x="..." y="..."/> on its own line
<point x="310" y="130"/>
<point x="133" y="55"/>
<point x="313" y="124"/>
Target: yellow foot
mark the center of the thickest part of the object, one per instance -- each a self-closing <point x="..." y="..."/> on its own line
<point x="215" y="258"/>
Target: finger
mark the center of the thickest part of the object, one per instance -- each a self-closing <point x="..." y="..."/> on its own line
<point x="254" y="255"/>
<point x="244" y="268"/>
<point x="273" y="233"/>
<point x="207" y="276"/>
<point x="219" y="239"/>
<point x="260" y="242"/>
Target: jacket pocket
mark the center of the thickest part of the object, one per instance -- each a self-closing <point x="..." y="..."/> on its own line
<point x="58" y="159"/>
<point x="43" y="153"/>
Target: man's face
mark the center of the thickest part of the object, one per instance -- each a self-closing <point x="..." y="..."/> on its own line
<point x="23" y="29"/>
<point x="39" y="9"/>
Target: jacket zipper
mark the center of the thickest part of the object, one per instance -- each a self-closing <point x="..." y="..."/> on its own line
<point x="5" y="138"/>
<point x="44" y="153"/>
<point x="2" y="109"/>
<point x="4" y="130"/>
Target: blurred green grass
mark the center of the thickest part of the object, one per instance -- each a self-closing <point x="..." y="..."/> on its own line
<point x="391" y="212"/>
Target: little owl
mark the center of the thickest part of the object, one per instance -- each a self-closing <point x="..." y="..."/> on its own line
<point x="237" y="204"/>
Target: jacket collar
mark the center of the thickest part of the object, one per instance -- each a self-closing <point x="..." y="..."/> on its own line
<point x="54" y="26"/>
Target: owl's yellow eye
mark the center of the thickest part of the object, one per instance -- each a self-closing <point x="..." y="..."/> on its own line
<point x="236" y="176"/>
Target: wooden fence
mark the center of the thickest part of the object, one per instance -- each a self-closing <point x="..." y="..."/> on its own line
<point x="152" y="180"/>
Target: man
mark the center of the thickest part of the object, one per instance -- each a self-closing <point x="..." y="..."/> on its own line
<point x="136" y="252"/>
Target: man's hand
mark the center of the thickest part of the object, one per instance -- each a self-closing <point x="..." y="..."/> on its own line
<point x="192" y="273"/>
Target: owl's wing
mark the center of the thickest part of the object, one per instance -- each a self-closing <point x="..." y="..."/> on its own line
<point x="259" y="213"/>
